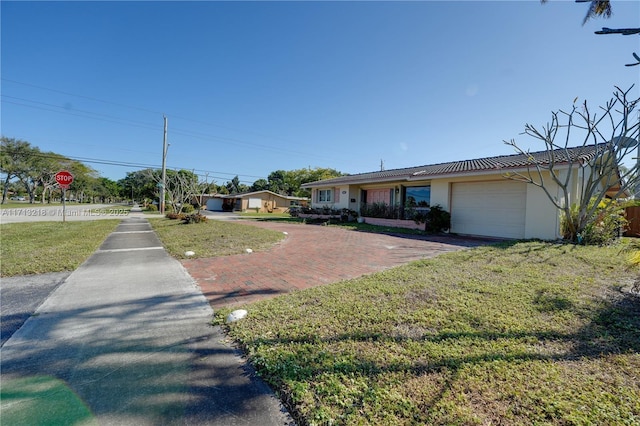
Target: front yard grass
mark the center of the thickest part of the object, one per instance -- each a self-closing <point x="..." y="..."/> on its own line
<point x="249" y="214"/>
<point x="211" y="238"/>
<point x="353" y="226"/>
<point x="516" y="333"/>
<point x="41" y="247"/>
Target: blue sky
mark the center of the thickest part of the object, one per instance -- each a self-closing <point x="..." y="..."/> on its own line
<point x="253" y="87"/>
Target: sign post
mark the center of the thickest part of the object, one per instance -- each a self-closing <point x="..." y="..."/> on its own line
<point x="64" y="179"/>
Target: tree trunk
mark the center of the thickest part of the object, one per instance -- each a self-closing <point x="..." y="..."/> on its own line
<point x="5" y="189"/>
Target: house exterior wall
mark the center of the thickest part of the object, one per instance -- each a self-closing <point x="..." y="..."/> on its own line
<point x="265" y="202"/>
<point x="354" y="194"/>
<point x="542" y="218"/>
<point x="340" y="200"/>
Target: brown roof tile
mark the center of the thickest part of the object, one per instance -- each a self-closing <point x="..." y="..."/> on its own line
<point x="503" y="162"/>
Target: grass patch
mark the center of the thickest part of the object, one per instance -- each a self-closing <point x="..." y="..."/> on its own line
<point x="42" y="247"/>
<point x="353" y="226"/>
<point x="365" y="227"/>
<point x="36" y="205"/>
<point x="248" y="213"/>
<point x="212" y="238"/>
<point x="516" y="333"/>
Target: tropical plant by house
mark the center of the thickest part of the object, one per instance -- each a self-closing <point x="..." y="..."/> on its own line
<point x="613" y="134"/>
<point x="382" y="211"/>
<point x="435" y="220"/>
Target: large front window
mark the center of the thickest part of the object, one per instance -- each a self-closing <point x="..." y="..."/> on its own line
<point x="324" y="195"/>
<point x="418" y="196"/>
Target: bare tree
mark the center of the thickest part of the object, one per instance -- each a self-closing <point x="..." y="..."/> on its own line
<point x="202" y="188"/>
<point x="181" y="186"/>
<point x="608" y="139"/>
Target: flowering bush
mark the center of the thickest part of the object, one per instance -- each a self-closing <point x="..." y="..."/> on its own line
<point x="603" y="228"/>
<point x="345" y="215"/>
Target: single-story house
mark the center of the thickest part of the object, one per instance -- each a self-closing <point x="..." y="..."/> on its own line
<point x="259" y="201"/>
<point x="480" y="199"/>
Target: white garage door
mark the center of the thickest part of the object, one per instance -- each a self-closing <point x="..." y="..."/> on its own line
<point x="214" y="204"/>
<point x="255" y="202"/>
<point x="494" y="209"/>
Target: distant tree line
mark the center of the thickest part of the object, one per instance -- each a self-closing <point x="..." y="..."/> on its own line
<point x="183" y="184"/>
<point x="28" y="170"/>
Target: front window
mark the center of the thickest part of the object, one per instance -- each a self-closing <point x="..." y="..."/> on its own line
<point x="324" y="195"/>
<point x="418" y="196"/>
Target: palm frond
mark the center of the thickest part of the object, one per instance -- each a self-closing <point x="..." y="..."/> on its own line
<point x="597" y="8"/>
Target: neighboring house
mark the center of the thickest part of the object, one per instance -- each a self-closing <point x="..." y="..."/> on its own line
<point x="480" y="199"/>
<point x="211" y="202"/>
<point x="261" y="201"/>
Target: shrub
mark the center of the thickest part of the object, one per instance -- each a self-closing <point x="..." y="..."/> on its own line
<point x="345" y="215"/>
<point x="174" y="216"/>
<point x="152" y="208"/>
<point x="188" y="208"/>
<point x="194" y="218"/>
<point x="382" y="211"/>
<point x="436" y="219"/>
<point x="605" y="226"/>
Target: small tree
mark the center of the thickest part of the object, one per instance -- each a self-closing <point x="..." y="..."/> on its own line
<point x="610" y="138"/>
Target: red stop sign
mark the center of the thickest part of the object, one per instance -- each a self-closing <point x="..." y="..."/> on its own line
<point x="64" y="178"/>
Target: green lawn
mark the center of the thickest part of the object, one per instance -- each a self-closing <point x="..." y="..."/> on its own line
<point x="41" y="247"/>
<point x="519" y="333"/>
<point x="249" y="214"/>
<point x="10" y="204"/>
<point x="211" y="238"/>
<point x="354" y="226"/>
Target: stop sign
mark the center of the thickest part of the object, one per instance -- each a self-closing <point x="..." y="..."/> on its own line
<point x="64" y="179"/>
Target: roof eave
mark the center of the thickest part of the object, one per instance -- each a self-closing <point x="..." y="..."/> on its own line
<point x="502" y="170"/>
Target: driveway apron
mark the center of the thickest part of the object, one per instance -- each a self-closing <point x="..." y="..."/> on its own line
<point x="311" y="255"/>
<point x="127" y="340"/>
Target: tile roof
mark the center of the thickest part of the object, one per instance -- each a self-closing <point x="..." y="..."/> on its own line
<point x="503" y="162"/>
<point x="245" y="194"/>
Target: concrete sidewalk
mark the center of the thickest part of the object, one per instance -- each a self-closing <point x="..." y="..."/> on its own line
<point x="127" y="340"/>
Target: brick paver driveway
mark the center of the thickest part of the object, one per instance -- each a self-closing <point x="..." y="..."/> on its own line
<point x="309" y="256"/>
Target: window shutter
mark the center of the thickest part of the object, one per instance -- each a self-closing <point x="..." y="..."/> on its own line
<point x="314" y="195"/>
<point x="336" y="195"/>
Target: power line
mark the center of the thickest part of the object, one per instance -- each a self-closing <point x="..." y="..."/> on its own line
<point x="112" y="119"/>
<point x="204" y="173"/>
<point x="178" y="131"/>
<point x="80" y="96"/>
<point x="150" y="126"/>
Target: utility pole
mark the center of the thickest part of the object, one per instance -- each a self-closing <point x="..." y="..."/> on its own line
<point x="164" y="166"/>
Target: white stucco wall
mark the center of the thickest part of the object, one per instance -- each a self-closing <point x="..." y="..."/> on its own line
<point x="342" y="203"/>
<point x="354" y="194"/>
<point x="542" y="218"/>
<point x="440" y="193"/>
